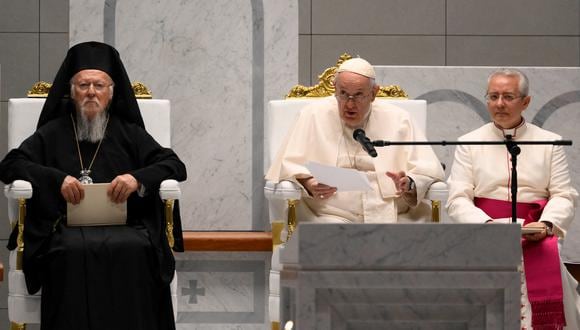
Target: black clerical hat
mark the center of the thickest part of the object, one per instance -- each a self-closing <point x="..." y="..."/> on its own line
<point x="97" y="56"/>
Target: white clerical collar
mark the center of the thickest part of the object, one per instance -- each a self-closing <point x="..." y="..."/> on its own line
<point x="514" y="132"/>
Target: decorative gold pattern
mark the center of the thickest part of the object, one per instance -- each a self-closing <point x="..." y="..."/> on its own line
<point x="292" y="222"/>
<point x="17" y="326"/>
<point x="325" y="86"/>
<point x="20" y="237"/>
<point x="277" y="228"/>
<point x="39" y="90"/>
<point x="435" y="210"/>
<point x="141" y="91"/>
<point x="169" y="222"/>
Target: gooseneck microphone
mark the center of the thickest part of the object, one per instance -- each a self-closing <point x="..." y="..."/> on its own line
<point x="365" y="142"/>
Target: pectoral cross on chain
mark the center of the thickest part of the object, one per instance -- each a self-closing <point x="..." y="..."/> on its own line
<point x="85" y="178"/>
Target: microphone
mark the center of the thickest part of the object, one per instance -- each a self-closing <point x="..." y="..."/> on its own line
<point x="365" y="142"/>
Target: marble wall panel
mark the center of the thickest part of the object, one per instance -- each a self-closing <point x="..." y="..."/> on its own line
<point x="54" y="16"/>
<point x="456" y="106"/>
<point x="305" y="16"/>
<point x="377" y="49"/>
<point x="513" y="50"/>
<point x="304" y="75"/>
<point x="19" y="58"/>
<point x="419" y="17"/>
<point x="217" y="62"/>
<point x="222" y="290"/>
<point x="19" y="16"/>
<point x="513" y="17"/>
<point x="52" y="49"/>
<point x="4" y="230"/>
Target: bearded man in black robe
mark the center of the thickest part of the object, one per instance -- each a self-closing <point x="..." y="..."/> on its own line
<point x="101" y="277"/>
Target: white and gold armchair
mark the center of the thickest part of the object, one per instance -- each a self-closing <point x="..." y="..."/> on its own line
<point x="23" y="114"/>
<point x="285" y="208"/>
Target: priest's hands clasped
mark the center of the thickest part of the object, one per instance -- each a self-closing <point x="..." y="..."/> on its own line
<point x="118" y="191"/>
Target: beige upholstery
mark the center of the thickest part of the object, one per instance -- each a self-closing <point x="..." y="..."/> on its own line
<point x="22" y="118"/>
<point x="280" y="116"/>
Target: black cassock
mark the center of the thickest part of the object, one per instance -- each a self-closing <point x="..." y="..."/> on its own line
<point x="107" y="277"/>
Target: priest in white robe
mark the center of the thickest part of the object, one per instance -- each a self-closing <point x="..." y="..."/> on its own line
<point x="479" y="192"/>
<point x="323" y="133"/>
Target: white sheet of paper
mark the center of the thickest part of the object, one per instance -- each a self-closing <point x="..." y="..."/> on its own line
<point x="96" y="209"/>
<point x="344" y="179"/>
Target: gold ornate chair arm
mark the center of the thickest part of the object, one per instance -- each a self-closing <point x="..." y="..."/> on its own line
<point x="292" y="221"/>
<point x="18" y="192"/>
<point x="169" y="192"/>
<point x="169" y="222"/>
<point x="20" y="238"/>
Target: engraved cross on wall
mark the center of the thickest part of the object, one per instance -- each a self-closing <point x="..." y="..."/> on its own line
<point x="193" y="291"/>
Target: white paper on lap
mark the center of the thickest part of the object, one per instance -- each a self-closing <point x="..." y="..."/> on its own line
<point x="344" y="179"/>
<point x="96" y="209"/>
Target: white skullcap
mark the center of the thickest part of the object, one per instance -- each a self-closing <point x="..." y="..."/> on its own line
<point x="359" y="66"/>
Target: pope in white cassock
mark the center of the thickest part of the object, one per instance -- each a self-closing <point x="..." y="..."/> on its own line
<point x="479" y="192"/>
<point x="323" y="133"/>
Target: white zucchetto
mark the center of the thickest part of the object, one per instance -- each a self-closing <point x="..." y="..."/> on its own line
<point x="359" y="66"/>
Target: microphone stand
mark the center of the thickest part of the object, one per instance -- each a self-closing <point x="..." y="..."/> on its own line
<point x="511" y="145"/>
<point x="514" y="151"/>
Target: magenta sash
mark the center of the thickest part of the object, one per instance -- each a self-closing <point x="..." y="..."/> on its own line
<point x="541" y="264"/>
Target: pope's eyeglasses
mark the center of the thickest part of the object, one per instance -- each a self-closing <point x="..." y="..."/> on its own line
<point x="357" y="98"/>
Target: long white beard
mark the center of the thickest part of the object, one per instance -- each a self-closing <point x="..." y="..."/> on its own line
<point x="91" y="130"/>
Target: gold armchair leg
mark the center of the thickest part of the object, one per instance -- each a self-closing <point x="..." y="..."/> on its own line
<point x="435" y="210"/>
<point x="275" y="325"/>
<point x="17" y="326"/>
